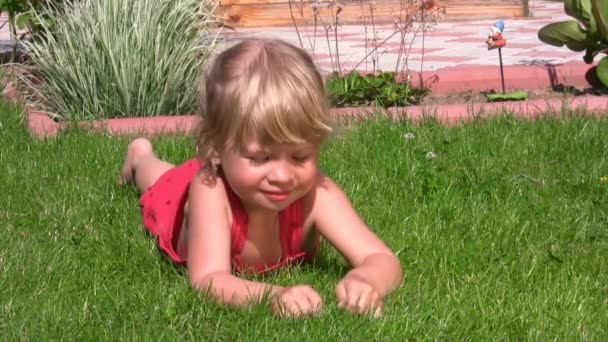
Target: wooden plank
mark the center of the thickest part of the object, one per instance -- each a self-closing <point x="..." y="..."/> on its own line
<point x="386" y="11"/>
<point x="357" y="3"/>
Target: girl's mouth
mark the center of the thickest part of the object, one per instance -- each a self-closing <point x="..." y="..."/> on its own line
<point x="276" y="196"/>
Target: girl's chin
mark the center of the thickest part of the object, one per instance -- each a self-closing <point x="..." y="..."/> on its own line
<point x="262" y="203"/>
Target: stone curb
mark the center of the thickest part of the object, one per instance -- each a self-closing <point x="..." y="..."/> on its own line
<point x="41" y="126"/>
<point x="447" y="80"/>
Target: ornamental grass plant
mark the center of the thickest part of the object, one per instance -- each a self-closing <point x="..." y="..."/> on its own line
<point x="114" y="58"/>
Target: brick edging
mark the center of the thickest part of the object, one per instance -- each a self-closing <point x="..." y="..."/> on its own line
<point x="447" y="80"/>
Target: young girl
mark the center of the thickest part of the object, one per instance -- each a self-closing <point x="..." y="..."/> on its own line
<point x="254" y="199"/>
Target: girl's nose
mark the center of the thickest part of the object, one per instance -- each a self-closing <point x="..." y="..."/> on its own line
<point x="280" y="173"/>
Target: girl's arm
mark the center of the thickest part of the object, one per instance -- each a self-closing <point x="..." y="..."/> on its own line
<point x="376" y="270"/>
<point x="209" y="259"/>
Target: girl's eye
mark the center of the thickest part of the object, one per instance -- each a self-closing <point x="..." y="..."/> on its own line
<point x="256" y="160"/>
<point x="301" y="158"/>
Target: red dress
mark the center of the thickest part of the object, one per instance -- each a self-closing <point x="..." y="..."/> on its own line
<point x="162" y="208"/>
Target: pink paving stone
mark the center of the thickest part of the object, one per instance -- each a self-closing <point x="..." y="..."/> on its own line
<point x="357" y="40"/>
<point x="511" y="45"/>
<point x="457" y="59"/>
<point x="468" y="40"/>
<point x="39" y="124"/>
<point x="484" y="77"/>
<point x="321" y="34"/>
<point x="382" y="27"/>
<point x="547" y="54"/>
<point x="414" y="51"/>
<point x="447" y="34"/>
<point x="322" y="55"/>
<point x="320" y="30"/>
<point x="343" y="65"/>
<point x="546" y="17"/>
<point x="385" y="45"/>
<point x="513" y="32"/>
<point x="480" y="24"/>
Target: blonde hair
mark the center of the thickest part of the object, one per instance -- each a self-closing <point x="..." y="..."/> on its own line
<point x="265" y="89"/>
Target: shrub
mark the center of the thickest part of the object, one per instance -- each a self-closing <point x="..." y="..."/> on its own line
<point x="589" y="32"/>
<point x="380" y="89"/>
<point x="116" y="58"/>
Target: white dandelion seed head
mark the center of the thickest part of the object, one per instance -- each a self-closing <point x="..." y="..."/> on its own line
<point x="431" y="155"/>
<point x="408" y="136"/>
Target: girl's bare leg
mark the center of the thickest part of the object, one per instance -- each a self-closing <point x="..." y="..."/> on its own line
<point x="141" y="166"/>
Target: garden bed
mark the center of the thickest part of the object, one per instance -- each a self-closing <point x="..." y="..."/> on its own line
<point x="456" y="94"/>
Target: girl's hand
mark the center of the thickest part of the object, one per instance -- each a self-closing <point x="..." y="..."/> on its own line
<point x="356" y="295"/>
<point x="296" y="301"/>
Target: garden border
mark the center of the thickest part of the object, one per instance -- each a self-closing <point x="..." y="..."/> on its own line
<point x="442" y="81"/>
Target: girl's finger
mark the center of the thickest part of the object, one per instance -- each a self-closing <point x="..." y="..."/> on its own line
<point x="353" y="300"/>
<point x="314" y="299"/>
<point x="341" y="295"/>
<point x="364" y="304"/>
<point x="377" y="312"/>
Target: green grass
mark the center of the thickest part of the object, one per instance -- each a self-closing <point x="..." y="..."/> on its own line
<point x="504" y="235"/>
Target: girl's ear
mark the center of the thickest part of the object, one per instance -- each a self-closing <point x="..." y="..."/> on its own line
<point x="215" y="158"/>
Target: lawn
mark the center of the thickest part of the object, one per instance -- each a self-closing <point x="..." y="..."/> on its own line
<point x="502" y="235"/>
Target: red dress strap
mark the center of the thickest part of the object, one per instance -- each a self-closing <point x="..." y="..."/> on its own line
<point x="290" y="236"/>
<point x="239" y="224"/>
<point x="290" y="228"/>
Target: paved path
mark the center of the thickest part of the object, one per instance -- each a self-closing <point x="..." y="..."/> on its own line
<point x="448" y="44"/>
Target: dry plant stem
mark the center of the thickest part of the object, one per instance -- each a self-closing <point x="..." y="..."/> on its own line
<point x="403" y="30"/>
<point x="423" y="41"/>
<point x="314" y="44"/>
<point x="406" y="31"/>
<point x="374" y="50"/>
<point x="327" y="28"/>
<point x="405" y="62"/>
<point x="300" y="9"/>
<point x="401" y="40"/>
<point x="336" y="18"/>
<point x="13" y="33"/>
<point x="426" y="18"/>
<point x="375" y="38"/>
<point x="365" y="24"/>
<point x="295" y="24"/>
<point x="411" y="12"/>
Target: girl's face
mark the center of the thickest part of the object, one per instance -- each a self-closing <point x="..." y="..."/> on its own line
<point x="270" y="177"/>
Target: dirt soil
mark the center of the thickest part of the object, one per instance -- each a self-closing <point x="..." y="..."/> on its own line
<point x="533" y="94"/>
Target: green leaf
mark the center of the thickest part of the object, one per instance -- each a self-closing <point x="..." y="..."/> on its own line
<point x="512" y="96"/>
<point x="381" y="88"/>
<point x="24" y="19"/>
<point x="599" y="8"/>
<point x="602" y="71"/>
<point x="567" y="33"/>
<point x="581" y="10"/>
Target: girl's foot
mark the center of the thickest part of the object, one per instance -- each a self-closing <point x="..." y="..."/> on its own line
<point x="137" y="149"/>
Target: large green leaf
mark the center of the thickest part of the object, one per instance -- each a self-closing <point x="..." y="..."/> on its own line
<point x="567" y="33"/>
<point x="599" y="8"/>
<point x="581" y="10"/>
<point x="602" y="71"/>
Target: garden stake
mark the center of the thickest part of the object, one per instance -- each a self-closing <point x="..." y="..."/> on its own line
<point x="496" y="40"/>
<point x="502" y="75"/>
